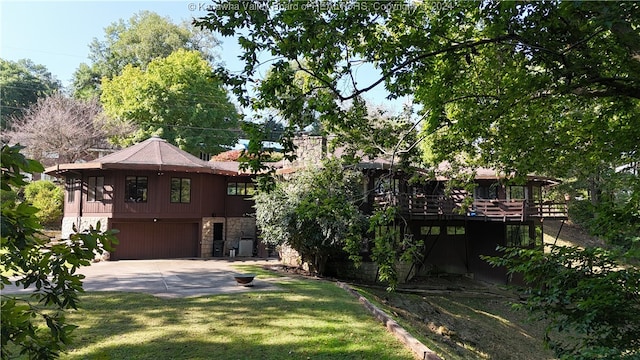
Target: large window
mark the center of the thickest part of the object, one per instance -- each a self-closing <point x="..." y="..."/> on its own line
<point x="456" y="230"/>
<point x="487" y="191"/>
<point x="181" y="190"/>
<point x="430" y="230"/>
<point x="72" y="185"/>
<point x="517" y="193"/>
<point x="518" y="236"/>
<point x="136" y="189"/>
<point x="95" y="188"/>
<point x="240" y="188"/>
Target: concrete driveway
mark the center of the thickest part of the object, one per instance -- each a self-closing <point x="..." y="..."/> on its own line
<point x="168" y="278"/>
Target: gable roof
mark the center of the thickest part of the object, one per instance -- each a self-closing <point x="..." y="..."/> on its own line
<point x="153" y="154"/>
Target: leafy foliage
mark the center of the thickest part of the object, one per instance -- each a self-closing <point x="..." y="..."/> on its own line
<point x="509" y="85"/>
<point x="31" y="261"/>
<point x="175" y="98"/>
<point x="146" y="36"/>
<point x="583" y="294"/>
<point x="315" y="212"/>
<point x="615" y="216"/>
<point x="21" y="84"/>
<point x="48" y="198"/>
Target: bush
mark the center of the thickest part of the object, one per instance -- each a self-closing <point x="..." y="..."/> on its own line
<point x="48" y="198"/>
<point x="316" y="212"/>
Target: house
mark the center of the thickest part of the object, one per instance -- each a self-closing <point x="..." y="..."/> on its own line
<point x="457" y="227"/>
<point x="165" y="202"/>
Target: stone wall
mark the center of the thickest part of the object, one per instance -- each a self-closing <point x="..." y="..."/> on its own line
<point x="206" y="242"/>
<point x="238" y="228"/>
<point x="82" y="223"/>
<point x="234" y="229"/>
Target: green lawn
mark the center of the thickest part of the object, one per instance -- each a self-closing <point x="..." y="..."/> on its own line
<point x="308" y="319"/>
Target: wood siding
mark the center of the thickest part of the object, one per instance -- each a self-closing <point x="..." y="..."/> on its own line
<point x="208" y="197"/>
<point x="156" y="240"/>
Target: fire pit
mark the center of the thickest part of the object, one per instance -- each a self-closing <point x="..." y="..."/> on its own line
<point x="244" y="279"/>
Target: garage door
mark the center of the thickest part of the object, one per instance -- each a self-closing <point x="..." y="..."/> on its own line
<point x="160" y="240"/>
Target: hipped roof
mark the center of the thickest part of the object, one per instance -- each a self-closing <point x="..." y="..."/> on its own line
<point x="153" y="154"/>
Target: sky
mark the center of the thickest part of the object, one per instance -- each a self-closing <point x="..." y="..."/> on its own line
<point x="57" y="34"/>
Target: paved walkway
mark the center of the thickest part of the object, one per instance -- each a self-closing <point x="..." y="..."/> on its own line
<point x="168" y="278"/>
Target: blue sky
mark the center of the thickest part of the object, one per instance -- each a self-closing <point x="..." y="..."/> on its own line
<point x="57" y="34"/>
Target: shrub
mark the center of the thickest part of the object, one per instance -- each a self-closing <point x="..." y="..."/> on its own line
<point x="48" y="198"/>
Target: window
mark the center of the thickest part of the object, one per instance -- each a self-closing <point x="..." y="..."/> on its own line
<point x="516" y="193"/>
<point x="385" y="185"/>
<point x="95" y="188"/>
<point x="72" y="186"/>
<point x="487" y="192"/>
<point x="455" y="230"/>
<point x="536" y="194"/>
<point x="181" y="190"/>
<point x="242" y="188"/>
<point x="205" y="156"/>
<point x="430" y="230"/>
<point x="518" y="236"/>
<point x="136" y="189"/>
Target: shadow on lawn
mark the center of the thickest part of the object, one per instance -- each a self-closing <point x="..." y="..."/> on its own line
<point x="309" y="320"/>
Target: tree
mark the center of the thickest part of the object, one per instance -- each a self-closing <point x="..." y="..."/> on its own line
<point x="48" y="198"/>
<point x="540" y="87"/>
<point x="36" y="326"/>
<point x="58" y="129"/>
<point x="316" y="213"/>
<point x="508" y="85"/>
<point x="176" y="98"/>
<point x="144" y="37"/>
<point x="590" y="303"/>
<point x="22" y="83"/>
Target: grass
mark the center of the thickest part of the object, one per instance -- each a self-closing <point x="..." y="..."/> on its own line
<point x="308" y="319"/>
<point x="464" y="326"/>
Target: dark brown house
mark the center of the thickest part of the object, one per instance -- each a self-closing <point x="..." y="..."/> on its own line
<point x="456" y="226"/>
<point x="165" y="202"/>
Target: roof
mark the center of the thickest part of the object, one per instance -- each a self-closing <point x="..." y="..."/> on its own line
<point x="153" y="154"/>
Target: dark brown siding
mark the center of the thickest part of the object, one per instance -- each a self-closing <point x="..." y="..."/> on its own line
<point x="98" y="208"/>
<point x="214" y="196"/>
<point x="156" y="240"/>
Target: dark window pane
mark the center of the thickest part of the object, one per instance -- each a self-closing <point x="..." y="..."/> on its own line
<point x="175" y="190"/>
<point x="185" y="194"/>
<point x="231" y="189"/>
<point x="136" y="188"/>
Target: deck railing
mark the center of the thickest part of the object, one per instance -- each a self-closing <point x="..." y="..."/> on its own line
<point x="439" y="206"/>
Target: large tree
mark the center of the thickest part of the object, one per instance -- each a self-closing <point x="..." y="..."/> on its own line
<point x="176" y="98"/>
<point x="539" y="87"/>
<point x="21" y="84"/>
<point x="144" y="37"/>
<point x="518" y="86"/>
<point x="59" y="129"/>
<point x="547" y="87"/>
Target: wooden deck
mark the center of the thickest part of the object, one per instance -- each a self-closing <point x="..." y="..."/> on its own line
<point x="443" y="207"/>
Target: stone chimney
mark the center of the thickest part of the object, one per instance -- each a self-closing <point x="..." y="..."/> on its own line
<point x="310" y="151"/>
